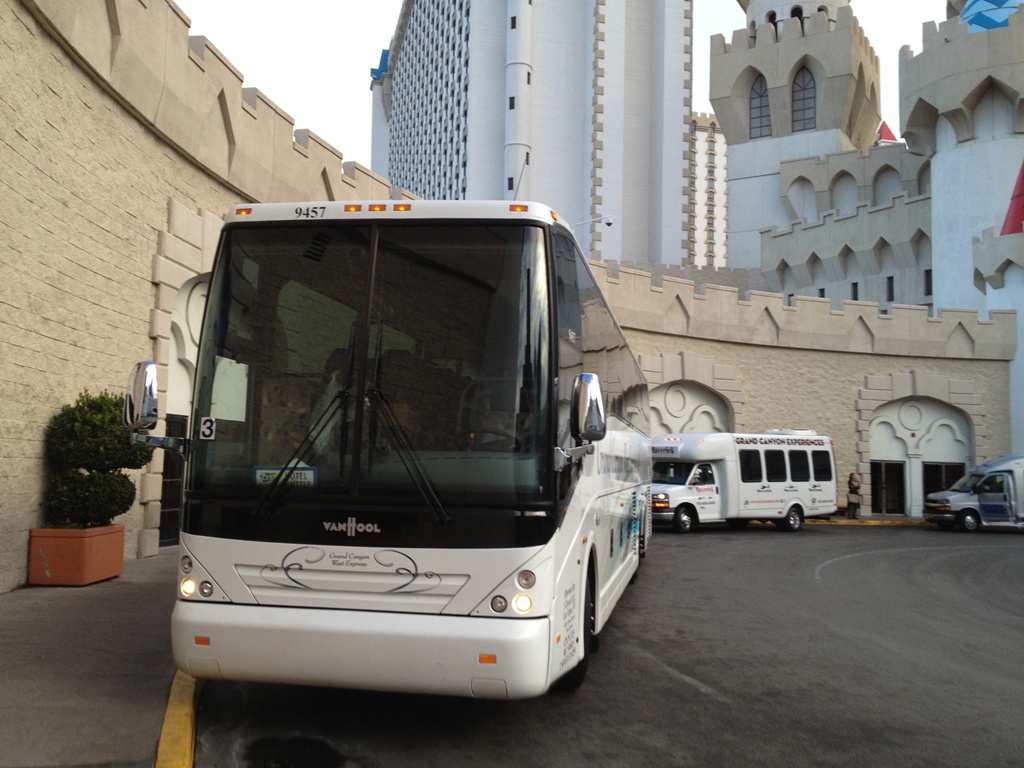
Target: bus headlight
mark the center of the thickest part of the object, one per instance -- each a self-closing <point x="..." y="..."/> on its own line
<point x="526" y="579"/>
<point x="499" y="604"/>
<point x="186" y="564"/>
<point x="522" y="603"/>
<point x="187" y="587"/>
<point x="206" y="589"/>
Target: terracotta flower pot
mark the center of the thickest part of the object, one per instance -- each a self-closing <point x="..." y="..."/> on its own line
<point x="74" y="557"/>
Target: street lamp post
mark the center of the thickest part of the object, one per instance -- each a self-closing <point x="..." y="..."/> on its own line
<point x="606" y="219"/>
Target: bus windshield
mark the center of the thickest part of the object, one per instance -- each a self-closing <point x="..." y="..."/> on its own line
<point x="672" y="472"/>
<point x="401" y="365"/>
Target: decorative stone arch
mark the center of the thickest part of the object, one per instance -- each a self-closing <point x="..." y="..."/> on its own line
<point x="184" y="254"/>
<point x="886" y="185"/>
<point x="691" y="393"/>
<point x="844" y="193"/>
<point x="801" y="200"/>
<point x="917" y="413"/>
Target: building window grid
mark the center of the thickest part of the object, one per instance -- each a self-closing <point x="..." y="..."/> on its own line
<point x="760" y="114"/>
<point x="804" y="101"/>
<point x="432" y="170"/>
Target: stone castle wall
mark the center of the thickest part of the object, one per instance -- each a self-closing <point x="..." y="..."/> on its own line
<point x="122" y="142"/>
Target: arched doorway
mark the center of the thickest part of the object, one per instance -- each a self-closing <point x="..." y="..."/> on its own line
<point x="917" y="445"/>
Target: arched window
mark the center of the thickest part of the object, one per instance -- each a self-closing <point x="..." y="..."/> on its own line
<point x="804" y="101"/>
<point x="797" y="12"/>
<point x="760" y="116"/>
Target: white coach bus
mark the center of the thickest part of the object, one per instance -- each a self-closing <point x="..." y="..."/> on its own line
<point x="418" y="457"/>
<point x="783" y="476"/>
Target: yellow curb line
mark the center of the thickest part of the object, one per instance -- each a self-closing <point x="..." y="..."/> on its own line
<point x="177" y="736"/>
<point x="904" y="523"/>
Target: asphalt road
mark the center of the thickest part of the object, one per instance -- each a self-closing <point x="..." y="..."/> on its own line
<point x="834" y="646"/>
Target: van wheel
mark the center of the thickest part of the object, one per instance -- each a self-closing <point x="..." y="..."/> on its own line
<point x="970" y="522"/>
<point x="793" y="521"/>
<point x="683" y="521"/>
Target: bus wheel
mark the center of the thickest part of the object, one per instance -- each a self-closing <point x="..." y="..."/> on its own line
<point x="573" y="679"/>
<point x="969" y="521"/>
<point x="683" y="520"/>
<point x="793" y="521"/>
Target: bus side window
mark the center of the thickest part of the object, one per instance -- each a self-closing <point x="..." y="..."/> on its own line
<point x="799" y="467"/>
<point x="750" y="466"/>
<point x="775" y="465"/>
<point x="822" y="461"/>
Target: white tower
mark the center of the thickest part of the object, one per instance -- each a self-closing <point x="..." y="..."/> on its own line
<point x="800" y="81"/>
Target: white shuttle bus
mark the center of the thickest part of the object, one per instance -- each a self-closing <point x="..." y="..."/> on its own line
<point x="783" y="476"/>
<point x="418" y="457"/>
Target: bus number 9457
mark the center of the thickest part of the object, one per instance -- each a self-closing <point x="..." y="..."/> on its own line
<point x="310" y="212"/>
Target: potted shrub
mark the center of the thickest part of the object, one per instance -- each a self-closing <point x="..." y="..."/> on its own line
<point x="87" y="447"/>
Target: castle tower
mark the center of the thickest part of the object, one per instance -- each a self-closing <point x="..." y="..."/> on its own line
<point x="962" y="105"/>
<point x="801" y="80"/>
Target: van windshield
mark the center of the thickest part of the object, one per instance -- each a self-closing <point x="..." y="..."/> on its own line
<point x="672" y="472"/>
<point x="967" y="482"/>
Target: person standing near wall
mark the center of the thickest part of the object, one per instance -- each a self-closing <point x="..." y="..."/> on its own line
<point x="853" y="496"/>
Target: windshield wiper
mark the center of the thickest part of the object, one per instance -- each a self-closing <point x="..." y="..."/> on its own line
<point x="410" y="460"/>
<point x="280" y="481"/>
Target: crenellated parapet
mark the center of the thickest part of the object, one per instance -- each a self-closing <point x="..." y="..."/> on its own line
<point x="674" y="308"/>
<point x="836" y="52"/>
<point x="953" y="73"/>
<point x="192" y="96"/>
<point x="994" y="254"/>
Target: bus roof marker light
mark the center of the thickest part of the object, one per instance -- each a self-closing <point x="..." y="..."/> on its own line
<point x="378" y="207"/>
<point x="488" y="658"/>
<point x="243" y="211"/>
<point x="403" y="207"/>
<point x="353" y="208"/>
<point x="517" y="208"/>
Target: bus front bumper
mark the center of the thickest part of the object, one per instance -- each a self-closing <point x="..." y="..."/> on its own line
<point x="402" y="652"/>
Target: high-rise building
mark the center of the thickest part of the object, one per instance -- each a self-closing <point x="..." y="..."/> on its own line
<point x="583" y="105"/>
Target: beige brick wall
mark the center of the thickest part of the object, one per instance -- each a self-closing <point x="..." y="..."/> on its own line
<point x="83" y="194"/>
<point x="110" y="149"/>
<point x="823" y="390"/>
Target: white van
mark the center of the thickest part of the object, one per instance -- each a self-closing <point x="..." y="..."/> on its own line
<point x="783" y="475"/>
<point x="987" y="496"/>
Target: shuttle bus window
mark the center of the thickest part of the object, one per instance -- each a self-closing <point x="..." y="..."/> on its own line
<point x="799" y="468"/>
<point x="822" y="465"/>
<point x="750" y="466"/>
<point x="775" y="464"/>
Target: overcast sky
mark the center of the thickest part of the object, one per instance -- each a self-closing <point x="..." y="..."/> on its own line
<point x="314" y="60"/>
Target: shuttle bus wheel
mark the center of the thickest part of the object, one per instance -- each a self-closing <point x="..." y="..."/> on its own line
<point x="683" y="521"/>
<point x="793" y="521"/>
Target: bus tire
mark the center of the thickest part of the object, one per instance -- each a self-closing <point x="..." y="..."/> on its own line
<point x="969" y="521"/>
<point x="793" y="521"/>
<point x="684" y="519"/>
<point x="573" y="679"/>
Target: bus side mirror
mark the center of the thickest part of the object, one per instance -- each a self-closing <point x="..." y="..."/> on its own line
<point x="140" y="397"/>
<point x="588" y="419"/>
<point x="141" y="409"/>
